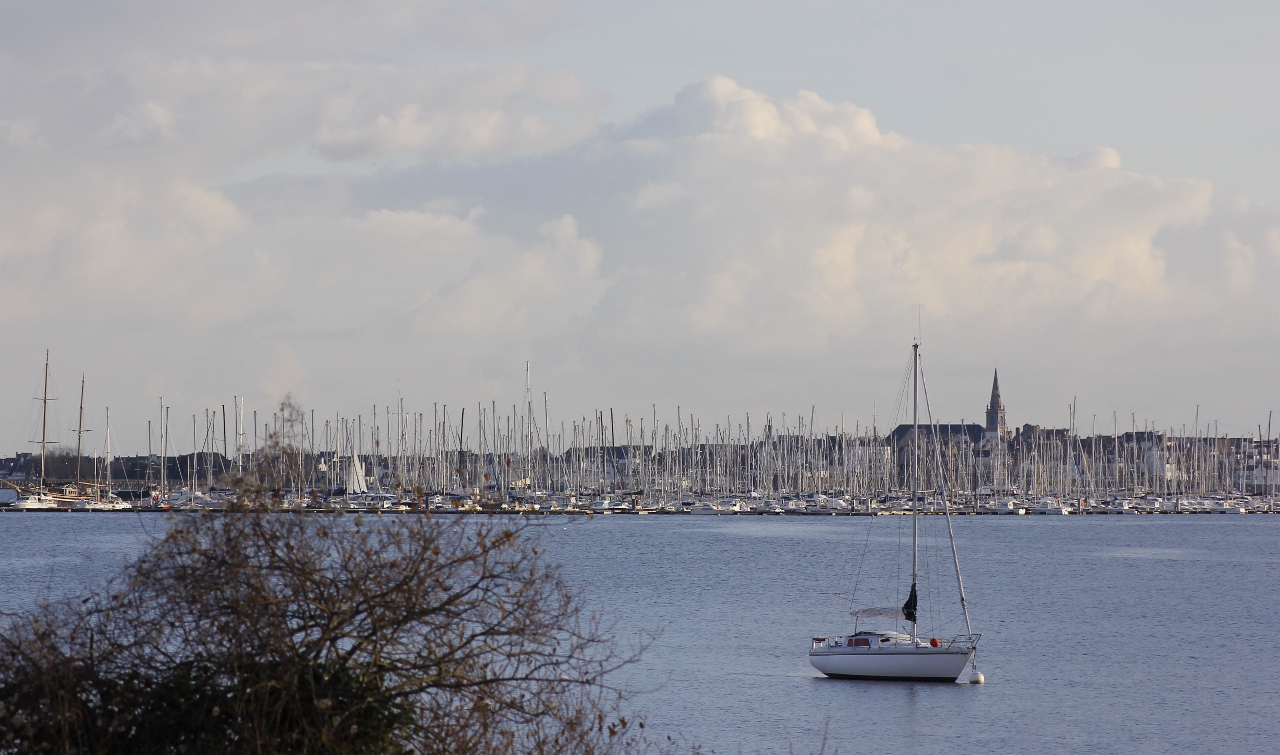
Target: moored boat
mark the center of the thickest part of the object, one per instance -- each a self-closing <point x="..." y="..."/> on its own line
<point x="890" y="656"/>
<point x="896" y="655"/>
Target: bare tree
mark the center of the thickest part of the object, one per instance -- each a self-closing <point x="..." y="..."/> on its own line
<point x="282" y="632"/>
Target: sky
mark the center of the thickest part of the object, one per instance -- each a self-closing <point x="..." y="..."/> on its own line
<point x="716" y="208"/>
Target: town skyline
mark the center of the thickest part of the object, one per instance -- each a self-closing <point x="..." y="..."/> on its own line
<point x="129" y="440"/>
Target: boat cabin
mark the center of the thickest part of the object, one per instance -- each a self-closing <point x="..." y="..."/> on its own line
<point x="862" y="640"/>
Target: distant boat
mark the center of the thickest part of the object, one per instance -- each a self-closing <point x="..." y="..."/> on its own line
<point x="38" y="501"/>
<point x="104" y="503"/>
<point x="891" y="654"/>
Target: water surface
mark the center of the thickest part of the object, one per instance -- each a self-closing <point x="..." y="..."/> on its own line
<point x="1110" y="634"/>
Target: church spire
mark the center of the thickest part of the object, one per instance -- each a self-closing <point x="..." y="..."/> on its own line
<point x="995" y="410"/>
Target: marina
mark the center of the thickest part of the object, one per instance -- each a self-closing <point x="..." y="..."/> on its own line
<point x="521" y="461"/>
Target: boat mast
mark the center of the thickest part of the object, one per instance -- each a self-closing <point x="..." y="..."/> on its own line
<point x="44" y="419"/>
<point x="79" y="432"/>
<point x="107" y="443"/>
<point x="164" y="448"/>
<point x="915" y="477"/>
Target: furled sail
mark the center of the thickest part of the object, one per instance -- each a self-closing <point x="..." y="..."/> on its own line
<point x="909" y="608"/>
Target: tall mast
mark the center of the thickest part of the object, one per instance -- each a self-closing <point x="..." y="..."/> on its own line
<point x="44" y="419"/>
<point x="224" y="434"/>
<point x="79" y="432"/>
<point x="240" y="436"/>
<point x="915" y="477"/>
<point x="148" y="488"/>
<point x="164" y="448"/>
<point x="107" y="444"/>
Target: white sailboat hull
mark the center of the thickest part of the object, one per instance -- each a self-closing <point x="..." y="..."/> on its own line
<point x="905" y="664"/>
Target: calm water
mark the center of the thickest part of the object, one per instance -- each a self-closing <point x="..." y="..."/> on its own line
<point x="1116" y="634"/>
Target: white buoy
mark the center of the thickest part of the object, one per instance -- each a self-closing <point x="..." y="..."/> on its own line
<point x="977" y="678"/>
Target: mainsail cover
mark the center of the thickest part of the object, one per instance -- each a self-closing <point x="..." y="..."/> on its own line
<point x="909" y="608"/>
<point x="878" y="613"/>
<point x="906" y="613"/>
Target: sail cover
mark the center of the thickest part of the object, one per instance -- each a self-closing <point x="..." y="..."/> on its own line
<point x="909" y="608"/>
<point x="906" y="613"/>
<point x="878" y="613"/>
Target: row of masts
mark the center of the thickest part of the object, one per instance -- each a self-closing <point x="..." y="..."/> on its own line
<point x="488" y="451"/>
<point x="492" y="452"/>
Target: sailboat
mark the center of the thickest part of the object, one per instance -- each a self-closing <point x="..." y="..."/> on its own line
<point x="903" y="655"/>
<point x="105" y="500"/>
<point x="355" y="479"/>
<point x="40" y="498"/>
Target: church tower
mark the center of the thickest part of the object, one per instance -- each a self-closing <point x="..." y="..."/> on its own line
<point x="995" y="409"/>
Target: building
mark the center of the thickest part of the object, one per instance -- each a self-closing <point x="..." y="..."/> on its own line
<point x="996" y="428"/>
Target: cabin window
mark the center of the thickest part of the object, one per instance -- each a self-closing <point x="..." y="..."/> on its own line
<point x="861" y="642"/>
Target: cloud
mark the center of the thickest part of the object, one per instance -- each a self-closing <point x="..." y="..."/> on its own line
<point x="803" y="226"/>
<point x="738" y="230"/>
<point x="20" y="133"/>
<point x="720" y="109"/>
<point x="285" y="374"/>
<point x="658" y="195"/>
<point x="252" y="223"/>
<point x="149" y="120"/>
<point x="207" y="210"/>
<point x="487" y="115"/>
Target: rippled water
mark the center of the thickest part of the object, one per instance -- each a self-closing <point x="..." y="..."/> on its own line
<point x="1120" y="634"/>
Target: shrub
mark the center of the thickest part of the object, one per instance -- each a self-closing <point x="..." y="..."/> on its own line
<point x="313" y="633"/>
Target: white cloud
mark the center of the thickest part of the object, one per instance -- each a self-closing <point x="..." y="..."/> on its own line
<point x="730" y="248"/>
<point x="25" y="133"/>
<point x="806" y="227"/>
<point x="285" y="374"/>
<point x="207" y="210"/>
<point x="658" y="195"/>
<point x="149" y="120"/>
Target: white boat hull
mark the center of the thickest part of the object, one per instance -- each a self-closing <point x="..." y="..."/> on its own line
<point x="903" y="664"/>
<point x="36" y="503"/>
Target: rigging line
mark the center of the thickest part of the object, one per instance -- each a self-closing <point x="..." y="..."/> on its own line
<point x="941" y="607"/>
<point x="866" y="544"/>
<point x="897" y="581"/>
<point x="924" y="607"/>
<point x="939" y="481"/>
<point x="946" y="508"/>
<point x="926" y="573"/>
<point x="900" y="403"/>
